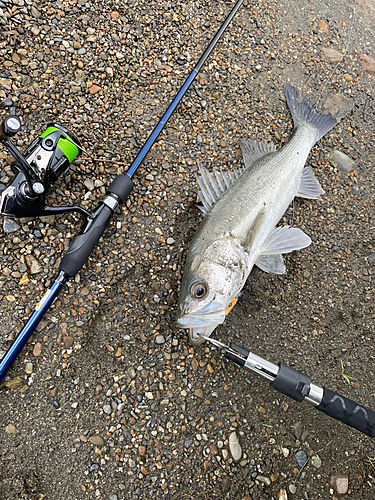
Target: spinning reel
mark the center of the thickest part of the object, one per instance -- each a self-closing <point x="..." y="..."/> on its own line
<point x="46" y="159"/>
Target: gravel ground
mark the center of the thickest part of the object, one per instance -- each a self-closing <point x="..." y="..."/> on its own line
<point x="108" y="399"/>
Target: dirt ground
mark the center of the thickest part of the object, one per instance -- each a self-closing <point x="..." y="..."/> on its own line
<point x="108" y="399"/>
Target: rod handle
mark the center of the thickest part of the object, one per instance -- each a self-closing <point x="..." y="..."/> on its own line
<point x="347" y="411"/>
<point x="83" y="244"/>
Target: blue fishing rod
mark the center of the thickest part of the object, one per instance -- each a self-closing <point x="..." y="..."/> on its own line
<point x="46" y="159"/>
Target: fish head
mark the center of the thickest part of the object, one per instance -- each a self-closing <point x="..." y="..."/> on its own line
<point x="209" y="285"/>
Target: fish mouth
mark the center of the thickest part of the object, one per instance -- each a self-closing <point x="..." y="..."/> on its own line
<point x="202" y="322"/>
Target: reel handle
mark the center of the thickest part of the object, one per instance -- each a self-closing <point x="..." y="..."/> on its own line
<point x="83" y="244"/>
<point x="10" y="127"/>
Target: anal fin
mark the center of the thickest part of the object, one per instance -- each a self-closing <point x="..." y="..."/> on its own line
<point x="309" y="186"/>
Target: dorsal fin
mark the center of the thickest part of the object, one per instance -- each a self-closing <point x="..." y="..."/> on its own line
<point x="214" y="184"/>
<point x="252" y="150"/>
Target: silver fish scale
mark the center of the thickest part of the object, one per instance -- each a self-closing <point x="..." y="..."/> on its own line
<point x="270" y="184"/>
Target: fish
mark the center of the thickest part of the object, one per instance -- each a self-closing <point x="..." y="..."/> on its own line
<point x="241" y="211"/>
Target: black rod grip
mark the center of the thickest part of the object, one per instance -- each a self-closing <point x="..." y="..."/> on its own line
<point x="348" y="411"/>
<point x="121" y="186"/>
<point x="84" y="243"/>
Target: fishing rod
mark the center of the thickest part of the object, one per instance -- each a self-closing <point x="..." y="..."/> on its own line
<point x="299" y="387"/>
<point x="44" y="161"/>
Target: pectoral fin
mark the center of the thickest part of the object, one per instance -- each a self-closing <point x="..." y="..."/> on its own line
<point x="309" y="186"/>
<point x="271" y="264"/>
<point x="284" y="239"/>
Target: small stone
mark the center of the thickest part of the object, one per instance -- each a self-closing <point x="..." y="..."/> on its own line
<point x="198" y="393"/>
<point x="131" y="372"/>
<point x="338" y="104"/>
<point x="341" y="161"/>
<point x="107" y="409"/>
<point x="24" y="280"/>
<point x="112" y="497"/>
<point x="274" y="476"/>
<point x="159" y="339"/>
<point x="98" y="389"/>
<point x="226" y="484"/>
<point x="292" y="489"/>
<point x="164" y="403"/>
<point x="35" y="12"/>
<point x="297" y="430"/>
<point x="14" y="383"/>
<point x="149" y="395"/>
<point x="235" y="447"/>
<point x="347" y="77"/>
<point x="316" y="462"/>
<point x="323" y="26"/>
<point x="367" y="62"/>
<point x="109" y="72"/>
<point x="29" y="368"/>
<point x="7" y="102"/>
<point x="301" y="458"/>
<point x="332" y="54"/>
<point x="10" y="429"/>
<point x="142" y="450"/>
<point x="97" y="440"/>
<point x="118" y="352"/>
<point x="10" y="226"/>
<point x="94" y="89"/>
<point x="188" y="443"/>
<point x="194" y="364"/>
<point x="282" y="495"/>
<point x="68" y="341"/>
<point x="213" y="449"/>
<point x="265" y="480"/>
<point x="33" y="264"/>
<point x="170" y="241"/>
<point x="341" y="483"/>
<point x="37" y="351"/>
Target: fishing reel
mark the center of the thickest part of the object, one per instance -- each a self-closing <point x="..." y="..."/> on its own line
<point x="46" y="159"/>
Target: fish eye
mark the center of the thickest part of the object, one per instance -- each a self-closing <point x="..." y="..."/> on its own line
<point x="198" y="290"/>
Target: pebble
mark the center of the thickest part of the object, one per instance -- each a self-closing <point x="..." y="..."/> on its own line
<point x="107" y="409"/>
<point x="131" y="372"/>
<point x="297" y="430"/>
<point x="263" y="479"/>
<point x="282" y="495"/>
<point x="10" y="225"/>
<point x="316" y="462"/>
<point x="97" y="440"/>
<point x="37" y="351"/>
<point x="292" y="489"/>
<point x="159" y="339"/>
<point x="301" y="458"/>
<point x="235" y="447"/>
<point x="341" y="483"/>
<point x="33" y="265"/>
<point x="29" y="368"/>
<point x="341" y="161"/>
<point x="10" y="429"/>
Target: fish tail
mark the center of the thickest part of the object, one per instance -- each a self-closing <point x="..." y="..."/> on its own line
<point x="303" y="112"/>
